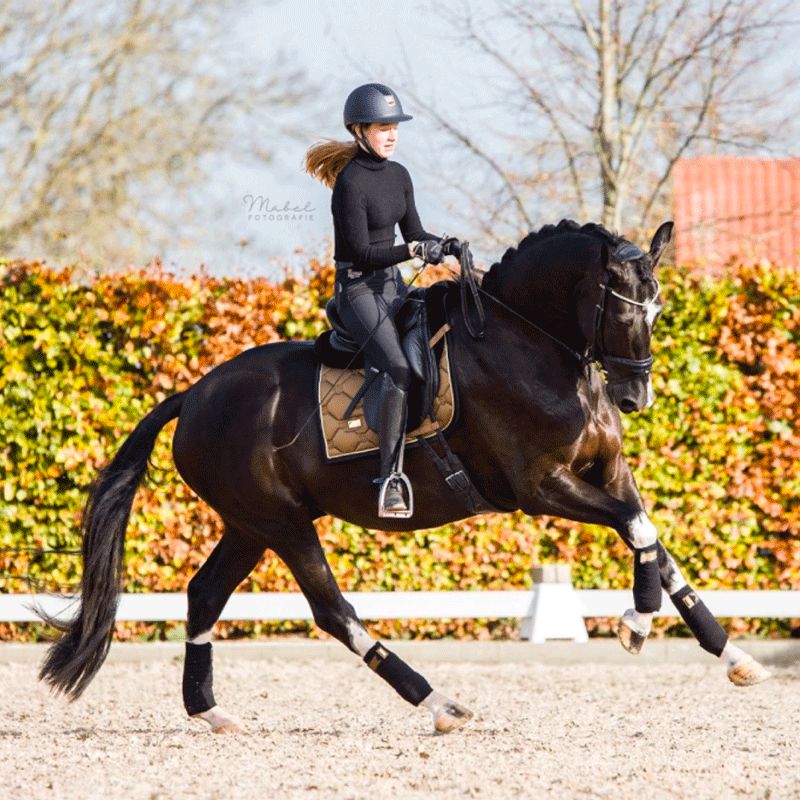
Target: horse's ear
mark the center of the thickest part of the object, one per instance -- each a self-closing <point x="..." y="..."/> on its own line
<point x="660" y="241"/>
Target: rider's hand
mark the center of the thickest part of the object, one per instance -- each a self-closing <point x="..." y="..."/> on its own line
<point x="451" y="247"/>
<point x="430" y="250"/>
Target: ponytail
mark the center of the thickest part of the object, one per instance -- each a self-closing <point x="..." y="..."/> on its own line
<point x="325" y="160"/>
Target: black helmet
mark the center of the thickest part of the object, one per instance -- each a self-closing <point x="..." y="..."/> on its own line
<point x="373" y="102"/>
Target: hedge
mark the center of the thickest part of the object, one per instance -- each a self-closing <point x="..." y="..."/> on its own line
<point x="84" y="357"/>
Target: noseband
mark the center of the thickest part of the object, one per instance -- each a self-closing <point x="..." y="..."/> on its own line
<point x="634" y="366"/>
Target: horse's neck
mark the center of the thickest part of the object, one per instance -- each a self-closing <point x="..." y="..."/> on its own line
<point x="516" y="380"/>
<point x="545" y="298"/>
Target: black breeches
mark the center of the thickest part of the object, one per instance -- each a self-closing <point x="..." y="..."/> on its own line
<point x="368" y="303"/>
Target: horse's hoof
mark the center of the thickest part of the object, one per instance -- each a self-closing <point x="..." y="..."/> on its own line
<point x="451" y="717"/>
<point x="630" y="639"/>
<point x="748" y="673"/>
<point x="220" y="721"/>
<point x="228" y="727"/>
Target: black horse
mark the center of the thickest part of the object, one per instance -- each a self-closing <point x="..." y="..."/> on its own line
<point x="538" y="430"/>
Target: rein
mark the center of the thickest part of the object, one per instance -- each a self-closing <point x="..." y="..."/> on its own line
<point x="581" y="359"/>
<point x="469" y="283"/>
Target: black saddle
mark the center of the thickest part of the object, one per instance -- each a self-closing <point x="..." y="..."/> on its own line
<point x="421" y="315"/>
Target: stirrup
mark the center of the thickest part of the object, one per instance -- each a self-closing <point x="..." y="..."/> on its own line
<point x="400" y="513"/>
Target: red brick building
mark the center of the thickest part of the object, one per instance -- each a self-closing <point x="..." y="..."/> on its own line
<point x="732" y="206"/>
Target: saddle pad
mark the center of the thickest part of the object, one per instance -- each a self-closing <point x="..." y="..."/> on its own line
<point x="349" y="437"/>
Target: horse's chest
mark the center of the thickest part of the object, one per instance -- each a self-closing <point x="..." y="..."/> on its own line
<point x="591" y="444"/>
<point x="597" y="446"/>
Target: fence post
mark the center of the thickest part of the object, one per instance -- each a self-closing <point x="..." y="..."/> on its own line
<point x="555" y="611"/>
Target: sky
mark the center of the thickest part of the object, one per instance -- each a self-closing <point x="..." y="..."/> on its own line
<point x="256" y="214"/>
<point x="340" y="45"/>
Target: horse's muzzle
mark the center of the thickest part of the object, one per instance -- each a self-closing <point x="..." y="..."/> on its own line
<point x="632" y="395"/>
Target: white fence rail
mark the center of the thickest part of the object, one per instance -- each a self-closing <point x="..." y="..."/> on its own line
<point x="548" y="611"/>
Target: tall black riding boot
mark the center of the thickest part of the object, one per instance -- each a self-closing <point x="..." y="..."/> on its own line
<point x="391" y="432"/>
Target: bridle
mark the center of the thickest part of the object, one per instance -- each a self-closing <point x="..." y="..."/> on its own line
<point x="596" y="352"/>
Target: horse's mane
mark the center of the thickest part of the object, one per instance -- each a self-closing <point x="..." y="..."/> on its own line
<point x="564" y="228"/>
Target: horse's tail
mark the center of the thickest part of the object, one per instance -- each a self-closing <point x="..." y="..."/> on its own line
<point x="74" y="659"/>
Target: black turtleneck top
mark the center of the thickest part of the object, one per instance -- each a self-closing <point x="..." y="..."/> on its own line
<point x="370" y="196"/>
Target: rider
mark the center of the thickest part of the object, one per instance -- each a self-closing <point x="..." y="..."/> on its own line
<point x="372" y="194"/>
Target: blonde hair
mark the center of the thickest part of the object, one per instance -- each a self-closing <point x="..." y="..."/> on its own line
<point x="325" y="160"/>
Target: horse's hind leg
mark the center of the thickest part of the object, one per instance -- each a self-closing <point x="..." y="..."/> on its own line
<point x="304" y="556"/>
<point x="229" y="564"/>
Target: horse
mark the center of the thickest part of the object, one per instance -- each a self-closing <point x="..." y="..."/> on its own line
<point x="568" y="319"/>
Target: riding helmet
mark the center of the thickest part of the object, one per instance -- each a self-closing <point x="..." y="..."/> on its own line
<point x="373" y="102"/>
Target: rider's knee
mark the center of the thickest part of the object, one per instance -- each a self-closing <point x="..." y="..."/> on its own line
<point x="401" y="375"/>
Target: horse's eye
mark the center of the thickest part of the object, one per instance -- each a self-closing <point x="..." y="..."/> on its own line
<point x="625" y="314"/>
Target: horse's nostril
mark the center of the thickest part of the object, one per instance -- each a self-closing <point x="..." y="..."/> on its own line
<point x="626" y="406"/>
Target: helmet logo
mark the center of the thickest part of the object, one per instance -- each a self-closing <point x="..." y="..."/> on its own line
<point x="390" y="101"/>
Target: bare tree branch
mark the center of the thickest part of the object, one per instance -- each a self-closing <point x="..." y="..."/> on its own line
<point x="114" y="111"/>
<point x="592" y="34"/>
<point x="470" y="145"/>
<point x="624" y="89"/>
<point x="540" y="102"/>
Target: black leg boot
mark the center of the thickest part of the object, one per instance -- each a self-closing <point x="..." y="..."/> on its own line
<point x="395" y="498"/>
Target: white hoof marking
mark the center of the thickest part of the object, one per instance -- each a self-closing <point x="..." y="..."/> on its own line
<point x="220" y="721"/>
<point x="447" y="715"/>
<point x="452" y="718"/>
<point x="748" y="673"/>
<point x="634" y="628"/>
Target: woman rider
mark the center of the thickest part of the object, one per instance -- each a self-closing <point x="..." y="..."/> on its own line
<point x="372" y="194"/>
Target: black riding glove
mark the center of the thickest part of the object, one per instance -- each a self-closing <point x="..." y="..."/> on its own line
<point x="430" y="250"/>
<point x="451" y="247"/>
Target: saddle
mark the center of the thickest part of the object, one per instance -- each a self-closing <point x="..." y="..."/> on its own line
<point x="346" y="399"/>
<point x="344" y="384"/>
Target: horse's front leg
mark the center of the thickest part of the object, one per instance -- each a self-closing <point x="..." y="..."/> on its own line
<point x="742" y="669"/>
<point x="564" y="494"/>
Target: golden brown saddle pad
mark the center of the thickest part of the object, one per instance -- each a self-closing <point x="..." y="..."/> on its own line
<point x="344" y="437"/>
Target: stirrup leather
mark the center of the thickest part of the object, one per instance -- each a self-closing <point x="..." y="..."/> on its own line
<point x="398" y="513"/>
